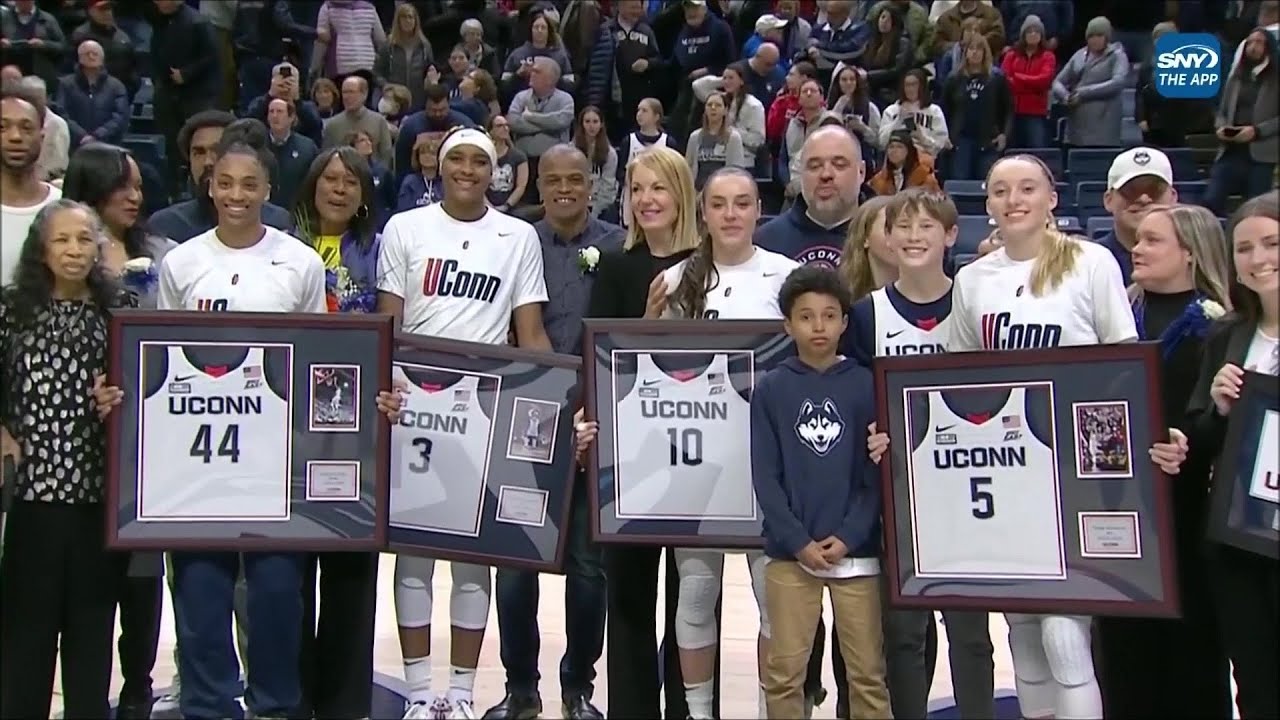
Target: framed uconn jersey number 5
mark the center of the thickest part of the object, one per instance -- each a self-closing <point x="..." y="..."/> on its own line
<point x="672" y="465"/>
<point x="1019" y="481"/>
<point x="248" y="431"/>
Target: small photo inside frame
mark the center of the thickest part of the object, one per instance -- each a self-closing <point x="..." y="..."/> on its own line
<point x="334" y="392"/>
<point x="1103" y="440"/>
<point x="532" y="435"/>
<point x="333" y="481"/>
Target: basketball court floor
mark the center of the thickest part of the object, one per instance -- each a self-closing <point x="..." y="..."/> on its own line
<point x="738" y="689"/>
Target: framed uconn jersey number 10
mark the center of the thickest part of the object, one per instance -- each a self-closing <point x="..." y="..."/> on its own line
<point x="248" y="431"/>
<point x="482" y="459"/>
<point x="1245" y="509"/>
<point x="672" y="465"/>
<point x="1019" y="481"/>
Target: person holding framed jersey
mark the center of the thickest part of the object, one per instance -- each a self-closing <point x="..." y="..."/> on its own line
<point x="1057" y="290"/>
<point x="728" y="278"/>
<point x="229" y="264"/>
<point x="421" y="250"/>
<point x="910" y="316"/>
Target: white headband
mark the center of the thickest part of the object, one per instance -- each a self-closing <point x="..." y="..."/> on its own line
<point x="473" y="137"/>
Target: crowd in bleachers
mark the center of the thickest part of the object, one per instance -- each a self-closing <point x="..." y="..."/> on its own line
<point x="935" y="91"/>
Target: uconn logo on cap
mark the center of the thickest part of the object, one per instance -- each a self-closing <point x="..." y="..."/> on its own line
<point x="1188" y="65"/>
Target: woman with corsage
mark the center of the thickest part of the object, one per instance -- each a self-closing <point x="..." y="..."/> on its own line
<point x="334" y="213"/>
<point x="108" y="180"/>
<point x="1180" y="280"/>
<point x="58" y="582"/>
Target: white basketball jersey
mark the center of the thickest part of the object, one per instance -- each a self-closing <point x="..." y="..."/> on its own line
<point x="440" y="454"/>
<point x="219" y="445"/>
<point x="683" y="447"/>
<point x="1264" y="484"/>
<point x="896" y="335"/>
<point x="984" y="497"/>
<point x="748" y="291"/>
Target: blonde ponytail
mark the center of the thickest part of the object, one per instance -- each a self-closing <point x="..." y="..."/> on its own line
<point x="1056" y="260"/>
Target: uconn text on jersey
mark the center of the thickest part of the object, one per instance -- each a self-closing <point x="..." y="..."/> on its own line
<point x="442" y="278"/>
<point x="999" y="332"/>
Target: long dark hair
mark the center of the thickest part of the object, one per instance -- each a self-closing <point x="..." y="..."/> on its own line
<point x="882" y="50"/>
<point x="734" y="103"/>
<point x="699" y="276"/>
<point x="307" y="218"/>
<point x="32" y="288"/>
<point x="596" y="150"/>
<point x="1244" y="302"/>
<point x="96" y="172"/>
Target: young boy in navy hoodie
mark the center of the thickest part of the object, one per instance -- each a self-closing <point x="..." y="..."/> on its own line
<point x="813" y="463"/>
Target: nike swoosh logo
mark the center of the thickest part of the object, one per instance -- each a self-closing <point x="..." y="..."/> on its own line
<point x="942" y="428"/>
<point x="890" y="336"/>
<point x="504" y="234"/>
<point x="647" y="383"/>
<point x="279" y="262"/>
<point x="182" y="378"/>
<point x="770" y="274"/>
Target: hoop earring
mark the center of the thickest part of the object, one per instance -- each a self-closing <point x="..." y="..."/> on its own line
<point x="362" y="212"/>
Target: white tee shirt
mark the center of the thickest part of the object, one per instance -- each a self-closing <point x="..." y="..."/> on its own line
<point x="747" y="291"/>
<point x="15" y="223"/>
<point x="993" y="307"/>
<point x="278" y="274"/>
<point x="460" y="280"/>
<point x="1263" y="355"/>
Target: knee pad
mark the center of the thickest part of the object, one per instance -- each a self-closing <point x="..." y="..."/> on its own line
<point x="469" y="599"/>
<point x="413" y="590"/>
<point x="1067" y="649"/>
<point x="756" y="563"/>
<point x="696" y="607"/>
<point x="1029" y="664"/>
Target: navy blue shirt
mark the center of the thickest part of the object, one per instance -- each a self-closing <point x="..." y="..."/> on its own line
<point x="1121" y="254"/>
<point x="568" y="283"/>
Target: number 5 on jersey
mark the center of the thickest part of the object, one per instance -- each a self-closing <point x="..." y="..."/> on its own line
<point x="228" y="444"/>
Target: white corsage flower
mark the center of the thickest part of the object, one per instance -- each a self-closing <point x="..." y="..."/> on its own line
<point x="588" y="258"/>
<point x="1212" y="309"/>
<point x="138" y="265"/>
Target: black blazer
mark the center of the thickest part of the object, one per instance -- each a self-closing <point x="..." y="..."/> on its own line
<point x="1228" y="342"/>
<point x="622" y="281"/>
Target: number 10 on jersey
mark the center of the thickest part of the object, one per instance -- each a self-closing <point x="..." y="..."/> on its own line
<point x="686" y="446"/>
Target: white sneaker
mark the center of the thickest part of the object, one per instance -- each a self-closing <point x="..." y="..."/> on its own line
<point x="463" y="710"/>
<point x="417" y="711"/>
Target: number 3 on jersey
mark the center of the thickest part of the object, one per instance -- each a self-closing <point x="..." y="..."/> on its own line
<point x="228" y="445"/>
<point x="686" y="446"/>
<point x="423" y="447"/>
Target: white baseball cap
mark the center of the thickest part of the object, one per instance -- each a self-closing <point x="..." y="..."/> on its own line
<point x="1137" y="162"/>
<point x="770" y="22"/>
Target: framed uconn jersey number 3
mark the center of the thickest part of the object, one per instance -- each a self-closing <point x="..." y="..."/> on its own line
<point x="672" y="465"/>
<point x="248" y="431"/>
<point x="1019" y="481"/>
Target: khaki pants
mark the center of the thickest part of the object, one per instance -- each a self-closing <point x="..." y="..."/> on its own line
<point x="794" y="599"/>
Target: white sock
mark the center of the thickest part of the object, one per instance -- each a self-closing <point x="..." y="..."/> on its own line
<point x="462" y="681"/>
<point x="762" y="711"/>
<point x="417" y="673"/>
<point x="699" y="698"/>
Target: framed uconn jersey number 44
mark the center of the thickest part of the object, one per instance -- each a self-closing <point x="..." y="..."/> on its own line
<point x="482" y="459"/>
<point x="672" y="465"/>
<point x="1019" y="481"/>
<point x="248" y="431"/>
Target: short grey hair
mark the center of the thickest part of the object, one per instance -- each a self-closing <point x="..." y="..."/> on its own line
<point x="548" y="65"/>
<point x="471" y="24"/>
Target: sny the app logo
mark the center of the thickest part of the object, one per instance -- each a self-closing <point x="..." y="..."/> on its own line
<point x="1188" y="65"/>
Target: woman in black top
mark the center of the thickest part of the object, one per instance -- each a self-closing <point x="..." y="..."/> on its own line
<point x="107" y="178"/>
<point x="57" y="581"/>
<point x="1180" y="280"/>
<point x="662" y="231"/>
<point x="1246" y="587"/>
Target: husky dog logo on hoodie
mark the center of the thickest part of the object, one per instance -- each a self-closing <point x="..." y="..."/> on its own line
<point x="819" y="426"/>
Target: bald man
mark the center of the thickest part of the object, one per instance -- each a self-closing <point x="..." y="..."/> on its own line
<point x="767" y="73"/>
<point x="94" y="104"/>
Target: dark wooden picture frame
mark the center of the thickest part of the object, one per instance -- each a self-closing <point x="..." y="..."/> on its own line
<point x="1091" y="583"/>
<point x="471" y="357"/>
<point x="746" y="336"/>
<point x="377" y="377"/>
<point x="1235" y="517"/>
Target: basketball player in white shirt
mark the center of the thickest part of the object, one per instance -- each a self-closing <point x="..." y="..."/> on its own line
<point x="727" y="277"/>
<point x="240" y="266"/>
<point x="1044" y="289"/>
<point x="461" y="270"/>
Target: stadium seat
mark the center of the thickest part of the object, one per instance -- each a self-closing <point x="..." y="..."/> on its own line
<point x="147" y="149"/>
<point x="1066" y="199"/>
<point x="1086" y="164"/>
<point x="971" y="187"/>
<point x="1089" y="199"/>
<point x="146" y="93"/>
<point x="973" y="229"/>
<point x="1130" y="133"/>
<point x="1190" y="192"/>
<point x="1069" y="224"/>
<point x="1099" y="225"/>
<point x="969" y="203"/>
<point x="1051" y="157"/>
<point x="1128" y="98"/>
<point x="1183" y="161"/>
